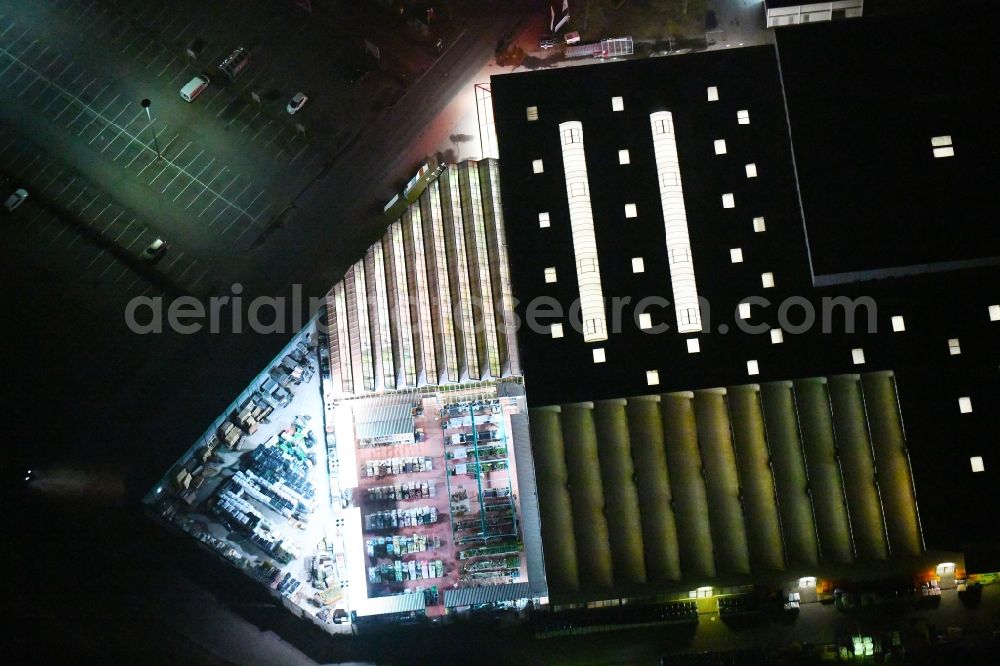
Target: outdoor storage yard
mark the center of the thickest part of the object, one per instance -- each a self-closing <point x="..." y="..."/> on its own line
<point x="256" y="489"/>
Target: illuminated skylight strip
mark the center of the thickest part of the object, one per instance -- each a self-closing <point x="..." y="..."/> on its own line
<point x="403" y="304"/>
<point x="388" y="378"/>
<point x="468" y="328"/>
<point x="668" y="170"/>
<point x="428" y="372"/>
<point x="443" y="294"/>
<point x="581" y="219"/>
<point x="507" y="298"/>
<point x="342" y="357"/>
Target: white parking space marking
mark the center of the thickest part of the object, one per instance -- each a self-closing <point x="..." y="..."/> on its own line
<point x="195" y="179"/>
<point x="96" y="116"/>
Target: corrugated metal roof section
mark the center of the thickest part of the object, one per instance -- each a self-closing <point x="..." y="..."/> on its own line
<point x="397" y="603"/>
<point x="486" y="594"/>
<point x="384" y="418"/>
<point x="531" y="525"/>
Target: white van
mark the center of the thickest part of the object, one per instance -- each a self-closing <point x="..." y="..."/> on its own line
<point x="194" y="87"/>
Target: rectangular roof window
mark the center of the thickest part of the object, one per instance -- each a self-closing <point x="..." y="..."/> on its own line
<point x="532" y="113"/>
<point x="753" y="368"/>
<point x="777" y="336"/>
<point x="550" y="274"/>
<point x="652" y="377"/>
<point x="556" y="330"/>
<point x="977" y="464"/>
<point x="637" y="265"/>
<point x="953" y="347"/>
<point x="543" y="220"/>
<point x="623" y="156"/>
<point x="645" y="321"/>
<point x="858" y="356"/>
<point x="994" y="312"/>
<point x="693" y="346"/>
<point x="599" y="355"/>
<point x="759" y="225"/>
<point x="743" y="117"/>
<point x="736" y="255"/>
<point x="898" y="324"/>
<point x="720" y="146"/>
<point x="744" y="310"/>
<point x="751" y="170"/>
<point x="630" y="210"/>
<point x="942" y="147"/>
<point x="713" y="93"/>
<point x="965" y="405"/>
<point x="617" y="104"/>
<point x="537" y="166"/>
<point x="728" y="201"/>
<point x="767" y="280"/>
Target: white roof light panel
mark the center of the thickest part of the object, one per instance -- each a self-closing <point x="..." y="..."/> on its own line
<point x="637" y="265"/>
<point x="767" y="280"/>
<point x="777" y="336"/>
<point x="581" y="218"/>
<point x="759" y="225"/>
<point x="713" y="93"/>
<point x="728" y="201"/>
<point x="532" y="113"/>
<point x="645" y="321"/>
<point x="537" y="166"/>
<point x="617" y="104"/>
<point x="682" y="277"/>
<point x="543" y="220"/>
<point x="736" y="255"/>
<point x="623" y="156"/>
<point x="898" y="324"/>
<point x="630" y="210"/>
<point x="965" y="405"/>
<point x="693" y="346"/>
<point x="556" y="330"/>
<point x="599" y="356"/>
<point x="945" y="151"/>
<point x="550" y="274"/>
<point x="753" y="368"/>
<point x="994" y="311"/>
<point x="954" y="348"/>
<point x="652" y="377"/>
<point x="751" y="170"/>
<point x="944" y="140"/>
<point x="720" y="146"/>
<point x="743" y="117"/>
<point x="977" y="464"/>
<point x="744" y="310"/>
<point x="858" y="356"/>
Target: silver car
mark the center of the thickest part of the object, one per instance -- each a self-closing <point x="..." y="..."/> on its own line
<point x="16" y="199"/>
<point x="296" y="103"/>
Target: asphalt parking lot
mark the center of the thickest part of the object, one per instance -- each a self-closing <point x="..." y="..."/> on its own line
<point x="77" y="225"/>
<point x="117" y="129"/>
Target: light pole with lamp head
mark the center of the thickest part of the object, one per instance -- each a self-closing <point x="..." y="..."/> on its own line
<point x="149" y="117"/>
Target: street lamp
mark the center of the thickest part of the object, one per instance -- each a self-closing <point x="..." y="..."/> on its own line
<point x="149" y="118"/>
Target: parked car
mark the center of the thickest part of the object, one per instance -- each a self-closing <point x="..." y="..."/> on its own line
<point x="296" y="103"/>
<point x="155" y="250"/>
<point x="16" y="198"/>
